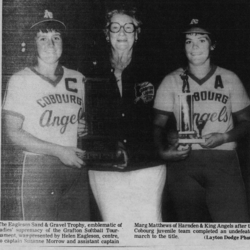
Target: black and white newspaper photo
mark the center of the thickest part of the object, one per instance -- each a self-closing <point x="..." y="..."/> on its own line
<point x="125" y="124"/>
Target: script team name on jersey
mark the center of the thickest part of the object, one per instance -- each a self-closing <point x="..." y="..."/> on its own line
<point x="219" y="112"/>
<point x="47" y="118"/>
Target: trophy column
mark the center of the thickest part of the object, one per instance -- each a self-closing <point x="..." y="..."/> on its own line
<point x="186" y="131"/>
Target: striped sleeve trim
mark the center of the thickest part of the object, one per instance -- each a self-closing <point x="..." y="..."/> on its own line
<point x="246" y="109"/>
<point x="162" y="112"/>
<point x="13" y="113"/>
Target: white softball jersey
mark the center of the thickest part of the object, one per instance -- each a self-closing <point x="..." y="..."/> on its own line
<point x="50" y="110"/>
<point x="216" y="97"/>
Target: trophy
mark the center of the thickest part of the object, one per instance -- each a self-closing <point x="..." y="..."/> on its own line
<point x="187" y="134"/>
<point x="100" y="149"/>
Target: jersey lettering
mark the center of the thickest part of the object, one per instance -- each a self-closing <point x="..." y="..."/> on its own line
<point x="222" y="116"/>
<point x="65" y="98"/>
<point x="47" y="100"/>
<point x="211" y="96"/>
<point x="218" y="82"/>
<point x="52" y="98"/>
<point x="218" y="97"/>
<point x="72" y="99"/>
<point x="57" y="98"/>
<point x="47" y="119"/>
<point x="67" y="81"/>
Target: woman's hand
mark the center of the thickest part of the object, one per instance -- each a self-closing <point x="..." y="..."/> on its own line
<point x="213" y="140"/>
<point x="82" y="128"/>
<point x="145" y="91"/>
<point x="121" y="156"/>
<point x="172" y="153"/>
<point x="71" y="156"/>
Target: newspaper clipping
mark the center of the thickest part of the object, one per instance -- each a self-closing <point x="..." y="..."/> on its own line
<point x="115" y="235"/>
<point x="125" y="124"/>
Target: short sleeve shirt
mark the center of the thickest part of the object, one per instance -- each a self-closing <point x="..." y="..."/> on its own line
<point x="215" y="98"/>
<point x="49" y="111"/>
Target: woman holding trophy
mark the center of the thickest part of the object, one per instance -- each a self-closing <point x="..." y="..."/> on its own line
<point x="42" y="116"/>
<point x="130" y="191"/>
<point x="204" y="179"/>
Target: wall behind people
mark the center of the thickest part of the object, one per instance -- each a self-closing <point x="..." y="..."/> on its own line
<point x="162" y="22"/>
<point x="17" y="15"/>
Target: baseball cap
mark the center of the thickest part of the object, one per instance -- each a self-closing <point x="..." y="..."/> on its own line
<point x="48" y="18"/>
<point x="196" y="26"/>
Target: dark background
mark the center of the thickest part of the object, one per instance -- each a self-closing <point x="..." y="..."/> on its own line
<point x="162" y="23"/>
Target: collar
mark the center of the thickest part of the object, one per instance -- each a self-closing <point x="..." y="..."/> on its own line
<point x="58" y="72"/>
<point x="204" y="79"/>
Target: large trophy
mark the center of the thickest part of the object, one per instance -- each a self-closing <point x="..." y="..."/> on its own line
<point x="187" y="134"/>
<point x="186" y="131"/>
<point x="100" y="149"/>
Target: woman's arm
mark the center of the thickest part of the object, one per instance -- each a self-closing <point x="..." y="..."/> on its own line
<point x="241" y="129"/>
<point x="18" y="136"/>
<point x="171" y="152"/>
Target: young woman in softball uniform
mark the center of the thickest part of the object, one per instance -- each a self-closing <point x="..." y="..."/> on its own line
<point x="204" y="180"/>
<point x="42" y="111"/>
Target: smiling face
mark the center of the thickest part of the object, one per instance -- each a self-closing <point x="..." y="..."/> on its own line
<point x="49" y="46"/>
<point x="121" y="40"/>
<point x="197" y="48"/>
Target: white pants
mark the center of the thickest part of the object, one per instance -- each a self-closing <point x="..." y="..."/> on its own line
<point x="133" y="196"/>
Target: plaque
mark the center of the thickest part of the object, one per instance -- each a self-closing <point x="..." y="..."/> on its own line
<point x="187" y="134"/>
<point x="100" y="152"/>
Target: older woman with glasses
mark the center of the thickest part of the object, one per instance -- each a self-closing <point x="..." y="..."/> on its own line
<point x="131" y="191"/>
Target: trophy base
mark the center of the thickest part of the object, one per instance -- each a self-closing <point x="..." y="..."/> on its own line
<point x="100" y="152"/>
<point x="183" y="133"/>
<point x="191" y="140"/>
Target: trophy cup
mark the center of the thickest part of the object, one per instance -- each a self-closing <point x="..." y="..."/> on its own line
<point x="187" y="134"/>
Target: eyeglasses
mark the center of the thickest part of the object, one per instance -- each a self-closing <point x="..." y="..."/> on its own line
<point x="127" y="27"/>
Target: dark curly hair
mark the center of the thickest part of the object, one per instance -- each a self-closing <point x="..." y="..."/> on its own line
<point x="129" y="11"/>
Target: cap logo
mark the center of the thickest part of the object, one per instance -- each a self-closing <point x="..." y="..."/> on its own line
<point x="48" y="14"/>
<point x="194" y="21"/>
<point x="48" y="17"/>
